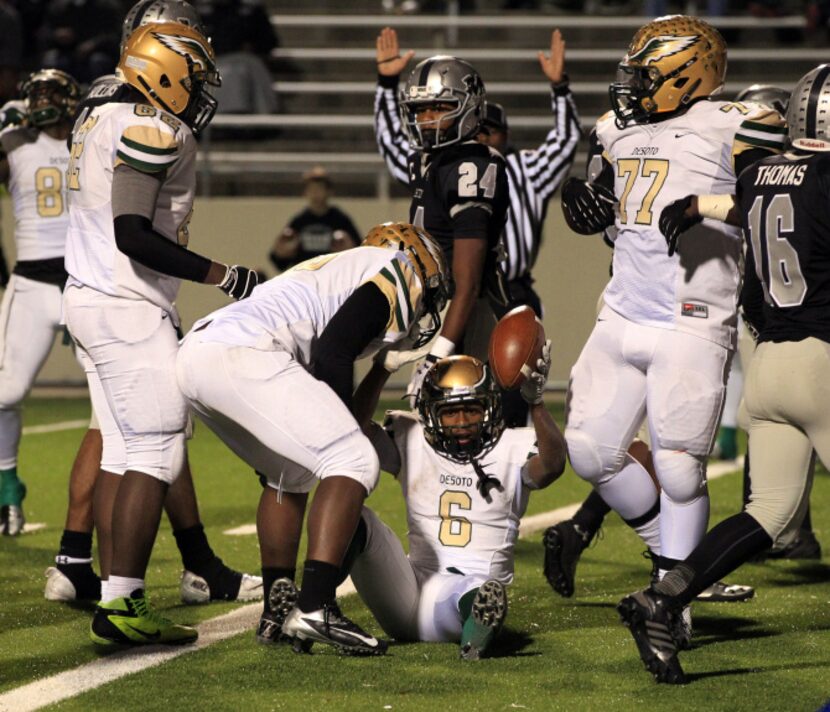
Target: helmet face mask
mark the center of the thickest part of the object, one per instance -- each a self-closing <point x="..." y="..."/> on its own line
<point x="808" y="113"/>
<point x="174" y="67"/>
<point x="146" y="11"/>
<point x="51" y="97"/>
<point x="427" y="258"/>
<point x="671" y="62"/>
<point x="445" y="84"/>
<point x="460" y="409"/>
<point x="767" y="94"/>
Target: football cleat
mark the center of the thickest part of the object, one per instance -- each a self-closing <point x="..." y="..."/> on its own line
<point x="485" y="621"/>
<point x="328" y="625"/>
<point x="226" y="585"/>
<point x="76" y="582"/>
<point x="11" y="520"/>
<point x="720" y="592"/>
<point x="281" y="599"/>
<point x="804" y="546"/>
<point x="564" y="544"/>
<point x="131" y="621"/>
<point x="651" y="619"/>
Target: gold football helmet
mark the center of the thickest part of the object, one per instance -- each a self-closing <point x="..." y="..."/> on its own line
<point x="460" y="381"/>
<point x="671" y="61"/>
<point x="50" y="97"/>
<point x="173" y="65"/>
<point x="427" y="258"/>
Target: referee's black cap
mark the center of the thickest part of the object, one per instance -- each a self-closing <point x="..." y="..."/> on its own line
<point x="495" y="116"/>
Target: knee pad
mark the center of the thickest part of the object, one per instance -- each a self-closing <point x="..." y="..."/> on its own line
<point x="352" y="457"/>
<point x="590" y="460"/>
<point x="680" y="474"/>
<point x="12" y="392"/>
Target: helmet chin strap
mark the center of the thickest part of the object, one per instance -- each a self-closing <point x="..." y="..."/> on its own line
<point x="485" y="482"/>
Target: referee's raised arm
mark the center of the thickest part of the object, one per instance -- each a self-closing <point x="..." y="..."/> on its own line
<point x="392" y="142"/>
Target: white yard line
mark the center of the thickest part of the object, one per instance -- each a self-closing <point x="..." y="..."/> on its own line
<point x="56" y="427"/>
<point x="99" y="672"/>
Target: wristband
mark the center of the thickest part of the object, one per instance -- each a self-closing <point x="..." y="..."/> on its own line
<point x="716" y="207"/>
<point x="442" y="347"/>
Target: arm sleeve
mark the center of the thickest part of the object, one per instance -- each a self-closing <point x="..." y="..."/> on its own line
<point x="362" y="317"/>
<point x="547" y="166"/>
<point x="392" y="143"/>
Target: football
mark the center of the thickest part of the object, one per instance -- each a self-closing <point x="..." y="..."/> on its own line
<point x="516" y="342"/>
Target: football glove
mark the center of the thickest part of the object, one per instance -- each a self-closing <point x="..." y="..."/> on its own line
<point x="533" y="387"/>
<point x="589" y="207"/>
<point x="13" y="113"/>
<point x="394" y="359"/>
<point x="674" y="221"/>
<point x="239" y="282"/>
<point x="413" y="390"/>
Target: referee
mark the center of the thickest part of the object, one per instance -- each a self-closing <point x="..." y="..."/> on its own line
<point x="533" y="174"/>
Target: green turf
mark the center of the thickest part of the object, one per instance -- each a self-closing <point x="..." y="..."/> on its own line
<point x="770" y="654"/>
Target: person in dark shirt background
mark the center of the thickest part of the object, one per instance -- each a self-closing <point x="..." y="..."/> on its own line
<point x="319" y="229"/>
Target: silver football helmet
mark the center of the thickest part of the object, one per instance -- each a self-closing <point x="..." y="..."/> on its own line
<point x="808" y="115"/>
<point x="767" y="94"/>
<point x="146" y="11"/>
<point x="442" y="80"/>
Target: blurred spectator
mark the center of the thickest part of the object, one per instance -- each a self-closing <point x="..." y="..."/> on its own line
<point x="713" y="8"/>
<point x="11" y="51"/>
<point x="408" y="7"/>
<point x="242" y="35"/>
<point x="81" y="37"/>
<point x="319" y="229"/>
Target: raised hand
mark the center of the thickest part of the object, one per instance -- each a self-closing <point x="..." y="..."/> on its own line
<point x="553" y="66"/>
<point x="390" y="61"/>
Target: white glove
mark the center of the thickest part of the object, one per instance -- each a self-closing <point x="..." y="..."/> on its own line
<point x="533" y="388"/>
<point x="394" y="359"/>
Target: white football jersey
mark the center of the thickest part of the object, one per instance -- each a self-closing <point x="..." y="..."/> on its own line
<point x="290" y="312"/>
<point x="149" y="140"/>
<point x="451" y="526"/>
<point x="655" y="164"/>
<point x="37" y="165"/>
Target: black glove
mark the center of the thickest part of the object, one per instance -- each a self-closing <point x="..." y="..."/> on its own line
<point x="674" y="221"/>
<point x="239" y="282"/>
<point x="588" y="207"/>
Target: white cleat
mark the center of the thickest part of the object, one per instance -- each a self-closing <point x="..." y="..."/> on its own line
<point x="58" y="586"/>
<point x="195" y="589"/>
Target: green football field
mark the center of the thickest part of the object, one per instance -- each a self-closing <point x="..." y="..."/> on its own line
<point x="772" y="653"/>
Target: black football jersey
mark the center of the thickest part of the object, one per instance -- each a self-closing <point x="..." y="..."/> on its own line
<point x="785" y="208"/>
<point x="446" y="183"/>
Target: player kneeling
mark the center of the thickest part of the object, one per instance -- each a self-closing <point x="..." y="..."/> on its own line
<point x="466" y="481"/>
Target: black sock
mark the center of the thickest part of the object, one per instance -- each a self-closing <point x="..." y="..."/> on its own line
<point x="77" y="545"/>
<point x="319" y="585"/>
<point x="807" y="524"/>
<point x="721" y="551"/>
<point x="591" y="513"/>
<point x="747" y="478"/>
<point x="194" y="548"/>
<point x="356" y="548"/>
<point x="269" y="575"/>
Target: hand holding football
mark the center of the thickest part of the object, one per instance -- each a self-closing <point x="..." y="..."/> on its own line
<point x="515" y="347"/>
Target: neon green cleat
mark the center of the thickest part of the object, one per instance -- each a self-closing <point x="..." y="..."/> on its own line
<point x="130" y="621"/>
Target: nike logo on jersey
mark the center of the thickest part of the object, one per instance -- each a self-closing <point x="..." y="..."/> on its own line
<point x="685" y="133"/>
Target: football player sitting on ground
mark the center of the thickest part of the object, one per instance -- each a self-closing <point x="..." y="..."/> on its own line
<point x="205" y="577"/>
<point x="782" y="204"/>
<point x="33" y="158"/>
<point x="272" y="377"/>
<point x="664" y="338"/>
<point x="466" y="482"/>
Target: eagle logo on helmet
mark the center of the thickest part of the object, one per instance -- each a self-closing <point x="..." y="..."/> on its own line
<point x="658" y="48"/>
<point x="187" y="47"/>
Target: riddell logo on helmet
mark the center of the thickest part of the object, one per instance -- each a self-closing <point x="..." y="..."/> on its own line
<point x="810" y="143"/>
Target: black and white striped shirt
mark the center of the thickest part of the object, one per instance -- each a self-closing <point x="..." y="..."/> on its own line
<point x="533" y="174"/>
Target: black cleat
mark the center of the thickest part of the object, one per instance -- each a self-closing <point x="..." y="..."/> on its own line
<point x="804" y="546"/>
<point x="328" y="625"/>
<point x="651" y="618"/>
<point x="564" y="544"/>
<point x="721" y="592"/>
<point x="281" y="599"/>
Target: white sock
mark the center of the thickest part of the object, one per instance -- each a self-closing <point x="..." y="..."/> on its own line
<point x="105" y="590"/>
<point x="122" y="587"/>
<point x="63" y="559"/>
<point x="650" y="534"/>
<point x="682" y="526"/>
